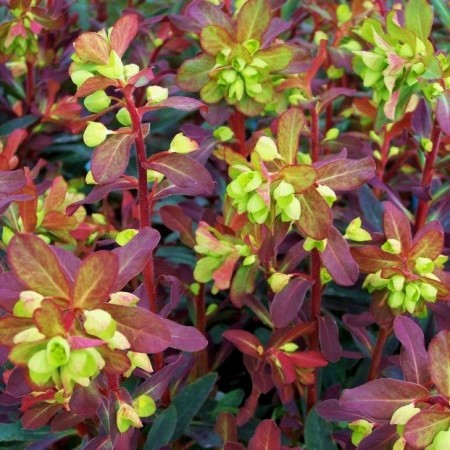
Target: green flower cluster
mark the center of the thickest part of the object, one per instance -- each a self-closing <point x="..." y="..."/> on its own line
<point x="401" y="64"/>
<point x="407" y="293"/>
<point x="17" y="38"/>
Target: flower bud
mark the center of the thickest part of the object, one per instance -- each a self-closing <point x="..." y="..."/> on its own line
<point x="278" y="281"/>
<point x="237" y="89"/>
<point x="123" y="298"/>
<point x="227" y="76"/>
<point x="114" y="69"/>
<point x="423" y="266"/>
<point x="130" y="70"/>
<point x="123" y="117"/>
<point x="223" y="134"/>
<point x="325" y="276"/>
<point x="127" y="417"/>
<point x="156" y="94"/>
<point x="406" y="51"/>
<point x="99" y="323"/>
<point x="320" y="36"/>
<point x="396" y="299"/>
<point x="125" y="236"/>
<point x="97" y="101"/>
<point x="138" y="360"/>
<point x="354" y="232"/>
<point x="426" y="144"/>
<point x="154" y="176"/>
<point x="332" y="134"/>
<point x="94" y="134"/>
<point x="89" y="179"/>
<point x="119" y="341"/>
<point x="252" y="45"/>
<point x="311" y="244"/>
<point x="440" y="261"/>
<point x="334" y="73"/>
<point x="289" y="347"/>
<point x="7" y="235"/>
<point x="403" y="414"/>
<point x="249" y="260"/>
<point x="182" y="144"/>
<point x="327" y="194"/>
<point x="360" y="429"/>
<point x="31" y="334"/>
<point x="396" y="283"/>
<point x="58" y="351"/>
<point x="392" y="246"/>
<point x="428" y="292"/>
<point x="343" y="13"/>
<point x="28" y="302"/>
<point x="80" y="76"/>
<point x="144" y="405"/>
<point x="267" y="149"/>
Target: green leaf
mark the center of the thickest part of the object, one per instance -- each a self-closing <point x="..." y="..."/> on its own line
<point x="211" y="92"/>
<point x="277" y="57"/>
<point x="443" y="11"/>
<point x="253" y="20"/>
<point x="302" y="177"/>
<point x="162" y="429"/>
<point x="189" y="401"/>
<point x="318" y="433"/>
<point x="419" y="18"/>
<point x="194" y="73"/>
<point x="22" y="122"/>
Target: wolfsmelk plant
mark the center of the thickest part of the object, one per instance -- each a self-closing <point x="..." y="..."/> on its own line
<point x="225" y="224"/>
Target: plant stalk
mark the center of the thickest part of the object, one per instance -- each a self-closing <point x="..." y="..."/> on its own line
<point x="378" y="352"/>
<point x="237" y="124"/>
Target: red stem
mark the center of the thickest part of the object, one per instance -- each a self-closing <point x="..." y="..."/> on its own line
<point x="30" y="88"/>
<point x="237" y="124"/>
<point x="316" y="290"/>
<point x="144" y="208"/>
<point x="200" y="322"/>
<point x="378" y="353"/>
<point x="427" y="176"/>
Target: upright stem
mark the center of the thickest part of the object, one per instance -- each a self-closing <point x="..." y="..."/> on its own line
<point x="200" y="322"/>
<point x="427" y="176"/>
<point x="30" y="87"/>
<point x="144" y="209"/>
<point x="237" y="124"/>
<point x="378" y="352"/>
<point x="316" y="290"/>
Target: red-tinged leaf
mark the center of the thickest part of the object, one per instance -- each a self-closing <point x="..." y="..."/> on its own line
<point x="283" y="368"/>
<point x="11" y="181"/>
<point x="39" y="415"/>
<point x="285" y="335"/>
<point x="92" y="48"/>
<point x="147" y="332"/>
<point x="428" y="242"/>
<point x="85" y="400"/>
<point x="77" y="342"/>
<point x="142" y="78"/>
<point x="13" y="142"/>
<point x="100" y="192"/>
<point x="226" y="427"/>
<point x="381" y="438"/>
<point x="193" y="74"/>
<point x="233" y="446"/>
<point x="222" y="276"/>
<point x="243" y="284"/>
<point x="56" y="195"/>
<point x="287" y="303"/>
<point x="443" y="112"/>
<point x="110" y="159"/>
<point x="94" y="280"/>
<point x="439" y="361"/>
<point x="346" y="174"/>
<point x="331" y="410"/>
<point x="245" y="342"/>
<point x="123" y="33"/>
<point x="371" y="258"/>
<point x="290" y="126"/>
<point x="332" y="94"/>
<point x="329" y="338"/>
<point x="185" y="338"/>
<point x="421" y="429"/>
<point x="338" y="259"/>
<point x="10" y="326"/>
<point x="133" y="257"/>
<point x="267" y="436"/>
<point x="214" y="39"/>
<point x="253" y="20"/>
<point x="397" y="226"/>
<point x="382" y="397"/>
<point x="93" y="84"/>
<point x="182" y="171"/>
<point x="179" y="102"/>
<point x="116" y="361"/>
<point x="247" y="411"/>
<point x="65" y="420"/>
<point x="48" y="318"/>
<point x="316" y="217"/>
<point x="21" y="353"/>
<point x="302" y="177"/>
<point x="308" y="359"/>
<point x="34" y="263"/>
<point x="413" y="355"/>
<point x="174" y="219"/>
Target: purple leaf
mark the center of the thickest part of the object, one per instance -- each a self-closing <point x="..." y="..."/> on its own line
<point x="397" y="226"/>
<point x="338" y="260"/>
<point x="276" y="27"/>
<point x="381" y="398"/>
<point x="443" y="112"/>
<point x="134" y="256"/>
<point x="421" y="429"/>
<point x="329" y="338"/>
<point x="413" y="355"/>
<point x="331" y="410"/>
<point x="267" y="436"/>
<point x="85" y="400"/>
<point x="178" y="102"/>
<point x="382" y="438"/>
<point x="11" y="181"/>
<point x="334" y="93"/>
<point x="183" y="172"/>
<point x="110" y="159"/>
<point x="185" y="338"/>
<point x="439" y="354"/>
<point x="100" y="192"/>
<point x="287" y="303"/>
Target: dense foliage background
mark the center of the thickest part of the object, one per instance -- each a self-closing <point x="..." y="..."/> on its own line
<point x="225" y="224"/>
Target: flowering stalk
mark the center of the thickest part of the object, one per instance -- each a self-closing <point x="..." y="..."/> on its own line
<point x="378" y="352"/>
<point x="237" y="124"/>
